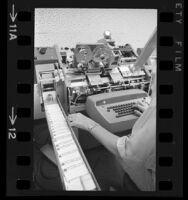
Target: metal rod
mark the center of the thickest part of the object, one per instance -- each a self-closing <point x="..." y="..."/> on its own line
<point x="146" y="53"/>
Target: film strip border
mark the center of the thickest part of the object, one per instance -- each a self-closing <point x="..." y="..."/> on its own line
<point x="20" y="71"/>
<point x="19" y="99"/>
<point x="170" y="99"/>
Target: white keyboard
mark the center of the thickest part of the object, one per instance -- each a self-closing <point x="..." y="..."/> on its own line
<point x="72" y="167"/>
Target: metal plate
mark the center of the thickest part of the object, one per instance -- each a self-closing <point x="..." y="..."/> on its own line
<point x="83" y="54"/>
<point x="102" y="51"/>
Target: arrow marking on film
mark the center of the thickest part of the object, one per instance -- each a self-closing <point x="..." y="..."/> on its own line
<point x="12" y="117"/>
<point x="13" y="15"/>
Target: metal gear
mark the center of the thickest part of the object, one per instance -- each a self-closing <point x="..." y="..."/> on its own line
<point x="83" y="54"/>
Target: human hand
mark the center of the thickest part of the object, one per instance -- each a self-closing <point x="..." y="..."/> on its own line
<point x="139" y="108"/>
<point x="80" y="121"/>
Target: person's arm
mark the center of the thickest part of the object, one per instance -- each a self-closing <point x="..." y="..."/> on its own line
<point x="105" y="137"/>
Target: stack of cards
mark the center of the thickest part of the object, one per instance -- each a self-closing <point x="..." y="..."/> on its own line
<point x="73" y="168"/>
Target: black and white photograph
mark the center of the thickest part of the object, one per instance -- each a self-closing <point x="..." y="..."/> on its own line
<point x="95" y="74"/>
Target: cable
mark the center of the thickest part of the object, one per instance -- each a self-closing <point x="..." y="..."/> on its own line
<point x="76" y="99"/>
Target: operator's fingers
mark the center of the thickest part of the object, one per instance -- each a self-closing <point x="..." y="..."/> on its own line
<point x="141" y="108"/>
<point x="72" y="118"/>
<point x="140" y="103"/>
<point x="138" y="113"/>
<point x="72" y="123"/>
<point x="138" y="106"/>
<point x="134" y="106"/>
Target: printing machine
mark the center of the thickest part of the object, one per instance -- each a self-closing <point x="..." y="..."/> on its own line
<point x="95" y="79"/>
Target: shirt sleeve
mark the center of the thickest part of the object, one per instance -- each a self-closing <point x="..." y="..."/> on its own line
<point x="142" y="173"/>
<point x="135" y="154"/>
<point x="150" y="165"/>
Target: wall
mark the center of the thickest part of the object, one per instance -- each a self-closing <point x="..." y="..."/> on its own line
<point x="66" y="27"/>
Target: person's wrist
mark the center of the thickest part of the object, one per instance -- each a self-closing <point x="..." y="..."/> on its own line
<point x="91" y="126"/>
